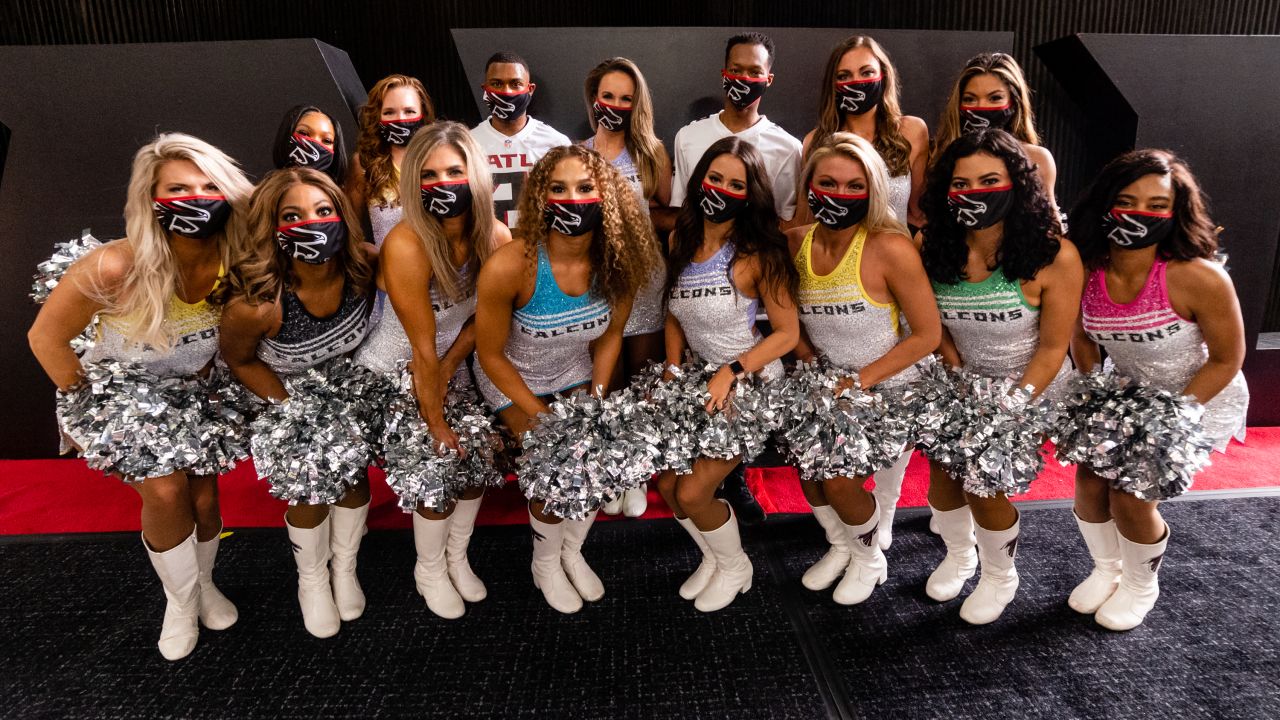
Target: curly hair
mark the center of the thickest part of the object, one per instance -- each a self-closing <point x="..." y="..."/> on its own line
<point x="373" y="152"/>
<point x="889" y="141"/>
<point x="1194" y="233"/>
<point x="624" y="250"/>
<point x="1003" y="66"/>
<point x="755" y="230"/>
<point x="265" y="270"/>
<point x="1030" y="240"/>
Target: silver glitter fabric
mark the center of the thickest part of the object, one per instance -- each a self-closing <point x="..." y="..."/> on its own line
<point x="900" y="196"/>
<point x="647" y="314"/>
<point x="585" y="452"/>
<point x="1145" y="440"/>
<point x="131" y="422"/>
<point x="387" y="345"/>
<point x="755" y="409"/>
<point x="851" y="433"/>
<point x="314" y="446"/>
<point x="49" y="273"/>
<point x="382" y="218"/>
<point x="719" y="323"/>
<point x="424" y="474"/>
<point x="305" y="341"/>
<point x="1148" y="341"/>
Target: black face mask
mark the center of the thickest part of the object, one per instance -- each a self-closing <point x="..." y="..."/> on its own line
<point x="838" y="211"/>
<point x="446" y="199"/>
<point x="981" y="208"/>
<point x="572" y="217"/>
<point x="611" y="117"/>
<point x="507" y="106"/>
<point x="858" y="97"/>
<point x="313" y="241"/>
<point x="1135" y="229"/>
<point x="974" y="118"/>
<point x="194" y="216"/>
<point x="309" y="153"/>
<point x="720" y="205"/>
<point x="398" y="132"/>
<point x="742" y="90"/>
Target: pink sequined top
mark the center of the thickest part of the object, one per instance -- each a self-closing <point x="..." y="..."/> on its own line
<point x="1148" y="341"/>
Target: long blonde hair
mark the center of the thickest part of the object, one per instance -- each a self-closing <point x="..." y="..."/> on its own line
<point x="373" y="152"/>
<point x="427" y="227"/>
<point x="624" y="250"/>
<point x="1023" y="124"/>
<point x="264" y="269"/>
<point x="880" y="215"/>
<point x="889" y="141"/>
<point x="153" y="278"/>
<point x="642" y="143"/>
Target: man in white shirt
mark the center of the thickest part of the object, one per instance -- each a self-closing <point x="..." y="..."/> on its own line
<point x="511" y="139"/>
<point x="747" y="72"/>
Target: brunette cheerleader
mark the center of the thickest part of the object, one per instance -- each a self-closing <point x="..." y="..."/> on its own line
<point x="1165" y="310"/>
<point x="148" y="298"/>
<point x="309" y="137"/>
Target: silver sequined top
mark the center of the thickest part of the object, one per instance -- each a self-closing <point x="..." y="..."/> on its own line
<point x="382" y="219"/>
<point x="1148" y="341"/>
<point x="550" y="339"/>
<point x="388" y="345"/>
<point x="900" y="195"/>
<point x="719" y="323"/>
<point x="995" y="329"/>
<point x="843" y="323"/>
<point x="305" y="341"/>
<point x="193" y="326"/>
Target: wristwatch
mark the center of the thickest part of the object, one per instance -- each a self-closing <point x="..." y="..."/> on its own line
<point x="736" y="368"/>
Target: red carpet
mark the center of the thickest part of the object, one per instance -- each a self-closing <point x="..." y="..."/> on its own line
<point x="64" y="496"/>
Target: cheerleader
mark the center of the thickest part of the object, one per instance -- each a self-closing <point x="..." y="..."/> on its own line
<point x="1164" y="309"/>
<point x="549" y="320"/>
<point x="429" y="264"/>
<point x="301" y="297"/>
<point x="1008" y="289"/>
<point x="727" y="257"/>
<point x="621" y="113"/>
<point x="147" y="297"/>
<point x="992" y="93"/>
<point x="398" y="106"/>
<point x="859" y="273"/>
<point x="860" y="95"/>
<point x="309" y="137"/>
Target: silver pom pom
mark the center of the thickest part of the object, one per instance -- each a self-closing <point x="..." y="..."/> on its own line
<point x="320" y="442"/>
<point x="931" y="404"/>
<point x="49" y="273"/>
<point x="1146" y="441"/>
<point x="586" y="451"/>
<point x="836" y="431"/>
<point x="423" y="473"/>
<point x="132" y="423"/>
<point x="227" y="408"/>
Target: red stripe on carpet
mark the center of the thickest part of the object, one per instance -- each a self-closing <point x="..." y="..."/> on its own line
<point x="65" y="496"/>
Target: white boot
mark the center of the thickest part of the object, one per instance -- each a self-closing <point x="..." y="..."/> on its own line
<point x="179" y="572"/>
<point x="548" y="574"/>
<point x="1139" y="585"/>
<point x="430" y="573"/>
<point x="998" y="581"/>
<point x="216" y="611"/>
<point x="733" y="567"/>
<point x="635" y="501"/>
<point x="961" y="561"/>
<point x="315" y="596"/>
<point x="461" y="524"/>
<point x="348" y="530"/>
<point x="584" y="579"/>
<point x="887" y="491"/>
<point x="867" y="565"/>
<point x="614" y="506"/>
<point x="1104" y="546"/>
<point x="935" y="527"/>
<point x="832" y="565"/>
<point x="700" y="577"/>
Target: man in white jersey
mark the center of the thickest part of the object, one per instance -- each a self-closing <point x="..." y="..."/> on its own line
<point x="748" y="63"/>
<point x="511" y="139"/>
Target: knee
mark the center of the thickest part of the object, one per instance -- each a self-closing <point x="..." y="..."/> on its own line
<point x="840" y="486"/>
<point x="691" y="496"/>
<point x="168" y="494"/>
<point x="667" y="484"/>
<point x="204" y="497"/>
<point x="1129" y="510"/>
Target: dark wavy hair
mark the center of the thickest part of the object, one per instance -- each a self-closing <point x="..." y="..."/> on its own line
<point x="1194" y="234"/>
<point x="755" y="230"/>
<point x="1030" y="240"/>
<point x="280" y="150"/>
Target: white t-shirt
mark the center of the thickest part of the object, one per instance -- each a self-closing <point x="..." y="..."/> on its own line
<point x="780" y="150"/>
<point x="512" y="157"/>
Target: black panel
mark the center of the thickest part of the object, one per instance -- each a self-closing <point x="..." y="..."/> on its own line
<point x="72" y="144"/>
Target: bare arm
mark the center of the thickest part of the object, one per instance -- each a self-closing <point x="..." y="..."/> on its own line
<point x="1084" y="352"/>
<point x="607" y="347"/>
<point x="1214" y="306"/>
<point x="910" y="287"/>
<point x="243" y="326"/>
<point x="1062" y="281"/>
<point x="69" y="310"/>
<point x="918" y="133"/>
<point x="499" y="285"/>
<point x="947" y="349"/>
